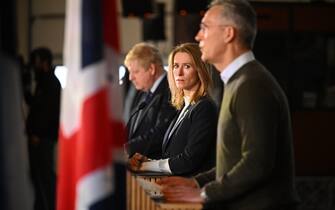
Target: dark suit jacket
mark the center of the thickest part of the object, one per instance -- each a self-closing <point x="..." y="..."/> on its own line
<point x="43" y="117"/>
<point x="255" y="166"/>
<point x="191" y="147"/>
<point x="155" y="118"/>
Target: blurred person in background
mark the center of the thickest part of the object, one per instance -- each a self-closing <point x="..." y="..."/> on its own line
<point x="42" y="127"/>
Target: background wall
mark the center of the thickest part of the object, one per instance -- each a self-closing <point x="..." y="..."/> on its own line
<point x="41" y="22"/>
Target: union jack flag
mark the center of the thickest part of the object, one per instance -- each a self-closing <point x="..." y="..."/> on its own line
<point x="91" y="106"/>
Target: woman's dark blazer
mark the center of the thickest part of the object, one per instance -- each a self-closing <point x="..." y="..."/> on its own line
<point x="191" y="147"/>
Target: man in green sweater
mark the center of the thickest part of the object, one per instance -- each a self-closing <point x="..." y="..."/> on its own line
<point x="254" y="165"/>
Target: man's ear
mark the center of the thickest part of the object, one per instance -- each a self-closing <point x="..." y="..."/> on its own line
<point x="152" y="69"/>
<point x="229" y="34"/>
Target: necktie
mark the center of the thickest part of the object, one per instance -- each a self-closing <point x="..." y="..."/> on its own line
<point x="148" y="97"/>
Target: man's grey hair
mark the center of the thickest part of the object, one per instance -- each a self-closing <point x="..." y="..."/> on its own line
<point x="243" y="16"/>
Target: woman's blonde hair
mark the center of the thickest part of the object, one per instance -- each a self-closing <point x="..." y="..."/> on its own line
<point x="202" y="68"/>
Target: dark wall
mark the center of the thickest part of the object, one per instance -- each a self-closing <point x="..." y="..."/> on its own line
<point x="294" y="42"/>
<point x="8" y="27"/>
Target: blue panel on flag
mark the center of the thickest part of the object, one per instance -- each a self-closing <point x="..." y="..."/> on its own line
<point x="92" y="34"/>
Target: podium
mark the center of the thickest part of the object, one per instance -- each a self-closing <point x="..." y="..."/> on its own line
<point x="139" y="199"/>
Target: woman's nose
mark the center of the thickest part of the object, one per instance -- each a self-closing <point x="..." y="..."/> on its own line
<point x="180" y="71"/>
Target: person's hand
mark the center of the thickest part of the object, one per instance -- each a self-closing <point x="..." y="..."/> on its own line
<point x="182" y="194"/>
<point x="177" y="181"/>
<point x="136" y="161"/>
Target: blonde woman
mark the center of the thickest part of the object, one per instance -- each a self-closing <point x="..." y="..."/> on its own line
<point x="189" y="143"/>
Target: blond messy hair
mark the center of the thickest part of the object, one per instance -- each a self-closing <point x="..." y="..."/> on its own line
<point x="145" y="54"/>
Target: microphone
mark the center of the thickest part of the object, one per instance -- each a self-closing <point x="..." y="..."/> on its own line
<point x="160" y="129"/>
<point x="141" y="106"/>
<point x="144" y="103"/>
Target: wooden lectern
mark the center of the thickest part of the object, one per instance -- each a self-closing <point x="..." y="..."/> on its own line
<point x="139" y="199"/>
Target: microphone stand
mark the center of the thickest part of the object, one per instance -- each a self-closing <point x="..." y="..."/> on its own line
<point x="141" y="106"/>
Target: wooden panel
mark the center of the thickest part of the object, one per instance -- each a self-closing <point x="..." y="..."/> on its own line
<point x="314" y="18"/>
<point x="180" y="206"/>
<point x="297" y="17"/>
<point x="138" y="199"/>
<point x="314" y="143"/>
<point x="272" y="18"/>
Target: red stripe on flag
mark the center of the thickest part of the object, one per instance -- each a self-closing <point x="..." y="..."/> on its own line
<point x="86" y="150"/>
<point x="111" y="32"/>
<point x="95" y="146"/>
<point x="66" y="182"/>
